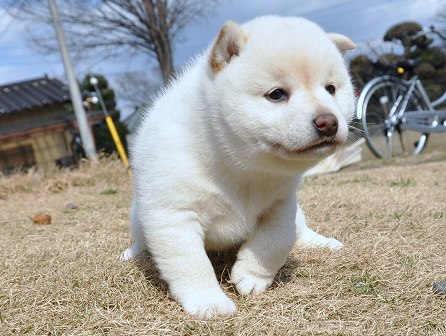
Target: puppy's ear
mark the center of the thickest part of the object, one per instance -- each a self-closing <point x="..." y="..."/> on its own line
<point x="230" y="41"/>
<point x="342" y="42"/>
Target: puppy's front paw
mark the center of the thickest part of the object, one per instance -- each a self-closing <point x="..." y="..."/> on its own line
<point x="248" y="282"/>
<point x="321" y="241"/>
<point x="208" y="303"/>
<point x="334" y="244"/>
<point x="310" y="239"/>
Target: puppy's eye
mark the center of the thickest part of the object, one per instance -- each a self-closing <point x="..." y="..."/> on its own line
<point x="277" y="95"/>
<point x="331" y="89"/>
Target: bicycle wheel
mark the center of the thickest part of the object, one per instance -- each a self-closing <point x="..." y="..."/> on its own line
<point x="383" y="134"/>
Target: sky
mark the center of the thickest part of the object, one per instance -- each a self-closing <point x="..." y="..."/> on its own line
<point x="365" y="22"/>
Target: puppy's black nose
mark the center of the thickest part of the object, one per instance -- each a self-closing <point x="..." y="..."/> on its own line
<point x="326" y="125"/>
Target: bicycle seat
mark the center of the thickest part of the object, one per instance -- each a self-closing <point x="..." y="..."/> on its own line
<point x="408" y="65"/>
<point x="398" y="69"/>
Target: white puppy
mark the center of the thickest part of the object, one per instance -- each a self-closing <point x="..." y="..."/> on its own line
<point x="218" y="158"/>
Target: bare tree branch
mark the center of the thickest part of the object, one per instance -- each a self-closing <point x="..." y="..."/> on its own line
<point x="135" y="88"/>
<point x="150" y="26"/>
<point x="441" y="17"/>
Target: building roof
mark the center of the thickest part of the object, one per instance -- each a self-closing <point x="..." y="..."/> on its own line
<point x="32" y="93"/>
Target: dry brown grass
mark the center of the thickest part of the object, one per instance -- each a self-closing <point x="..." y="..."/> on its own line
<point x="65" y="278"/>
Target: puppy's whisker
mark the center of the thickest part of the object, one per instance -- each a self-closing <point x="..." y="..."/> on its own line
<point x="356" y="129"/>
<point x="352" y="137"/>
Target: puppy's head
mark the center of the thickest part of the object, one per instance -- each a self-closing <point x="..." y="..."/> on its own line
<point x="279" y="91"/>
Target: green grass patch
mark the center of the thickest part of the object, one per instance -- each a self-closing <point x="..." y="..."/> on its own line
<point x="409" y="261"/>
<point x="365" y="284"/>
<point x="109" y="191"/>
<point x="402" y="182"/>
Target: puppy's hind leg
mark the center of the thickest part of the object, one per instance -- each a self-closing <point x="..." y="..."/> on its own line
<point x="306" y="237"/>
<point x="131" y="252"/>
<point x="138" y="245"/>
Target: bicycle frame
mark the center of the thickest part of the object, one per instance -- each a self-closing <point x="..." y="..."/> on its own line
<point x="424" y="121"/>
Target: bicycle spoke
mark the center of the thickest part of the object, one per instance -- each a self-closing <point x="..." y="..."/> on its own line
<point x="380" y="102"/>
<point x="377" y="129"/>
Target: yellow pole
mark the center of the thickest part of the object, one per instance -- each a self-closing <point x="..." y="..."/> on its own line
<point x="117" y="140"/>
<point x="111" y="126"/>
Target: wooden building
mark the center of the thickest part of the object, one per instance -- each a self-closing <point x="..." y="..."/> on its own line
<point x="36" y="125"/>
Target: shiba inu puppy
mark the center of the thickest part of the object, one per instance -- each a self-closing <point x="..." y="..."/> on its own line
<point x="218" y="158"/>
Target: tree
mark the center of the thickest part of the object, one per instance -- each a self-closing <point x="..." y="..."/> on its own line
<point x="149" y="26"/>
<point x="103" y="139"/>
<point x="135" y="89"/>
<point x="108" y="94"/>
<point x="429" y="60"/>
<point x="405" y="33"/>
<point x="362" y="70"/>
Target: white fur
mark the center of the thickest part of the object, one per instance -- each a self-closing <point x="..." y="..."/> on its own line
<point x="206" y="173"/>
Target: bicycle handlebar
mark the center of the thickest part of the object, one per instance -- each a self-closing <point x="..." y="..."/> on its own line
<point x="432" y="29"/>
<point x="425" y="31"/>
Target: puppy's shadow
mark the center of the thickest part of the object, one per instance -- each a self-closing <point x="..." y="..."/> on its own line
<point x="287" y="272"/>
<point x="222" y="262"/>
<point x="147" y="266"/>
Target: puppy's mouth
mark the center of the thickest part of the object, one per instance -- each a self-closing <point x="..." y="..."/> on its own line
<point x="322" y="146"/>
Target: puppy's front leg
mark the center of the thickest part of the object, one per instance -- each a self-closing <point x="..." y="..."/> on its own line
<point x="306" y="237"/>
<point x="266" y="251"/>
<point x="178" y="250"/>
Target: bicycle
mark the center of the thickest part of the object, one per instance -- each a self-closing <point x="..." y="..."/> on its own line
<point x="390" y="105"/>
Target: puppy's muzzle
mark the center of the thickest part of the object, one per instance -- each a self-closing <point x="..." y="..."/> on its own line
<point x="326" y="125"/>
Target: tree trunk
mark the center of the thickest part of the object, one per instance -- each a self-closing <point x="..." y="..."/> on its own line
<point x="164" y="57"/>
<point x="157" y="13"/>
